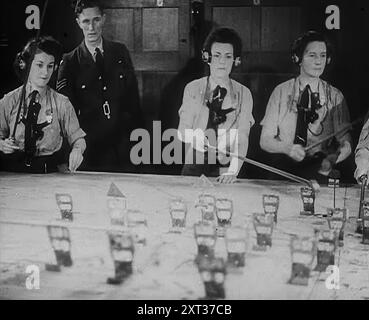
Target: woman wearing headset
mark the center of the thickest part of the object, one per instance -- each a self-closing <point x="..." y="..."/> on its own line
<point x="304" y="110"/>
<point x="217" y="112"/>
<point x="35" y="147"/>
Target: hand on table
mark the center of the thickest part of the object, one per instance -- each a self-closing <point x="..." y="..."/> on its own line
<point x="227" y="178"/>
<point x="360" y="174"/>
<point x="345" y="151"/>
<point x="297" y="152"/>
<point x="75" y="159"/>
<point x="8" y="146"/>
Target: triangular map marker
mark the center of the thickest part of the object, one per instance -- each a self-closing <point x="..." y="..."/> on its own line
<point x="203" y="181"/>
<point x="115" y="192"/>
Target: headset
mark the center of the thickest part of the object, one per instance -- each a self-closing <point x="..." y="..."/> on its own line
<point x="206" y="57"/>
<point x="300" y="44"/>
<point x="22" y="59"/>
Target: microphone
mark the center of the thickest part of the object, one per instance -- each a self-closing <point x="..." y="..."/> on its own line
<point x="30" y="132"/>
<point x="217" y="115"/>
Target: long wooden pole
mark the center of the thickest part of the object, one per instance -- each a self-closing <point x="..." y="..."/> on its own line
<point x="345" y="128"/>
<point x="312" y="184"/>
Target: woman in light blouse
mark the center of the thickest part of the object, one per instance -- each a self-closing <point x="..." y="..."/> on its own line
<point x="216" y="110"/>
<point x="54" y="121"/>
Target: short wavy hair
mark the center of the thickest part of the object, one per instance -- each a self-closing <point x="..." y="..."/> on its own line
<point x="299" y="45"/>
<point x="84" y="4"/>
<point x="224" y="35"/>
<point x="45" y="44"/>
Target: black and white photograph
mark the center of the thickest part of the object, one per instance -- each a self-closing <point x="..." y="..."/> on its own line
<point x="199" y="152"/>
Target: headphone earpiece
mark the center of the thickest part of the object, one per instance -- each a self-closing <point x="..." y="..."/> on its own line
<point x="237" y="61"/>
<point x="22" y="64"/>
<point x="295" y="59"/>
<point x="302" y="42"/>
<point x="21" y="61"/>
<point x="205" y="56"/>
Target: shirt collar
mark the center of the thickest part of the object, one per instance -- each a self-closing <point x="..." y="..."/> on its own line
<point x="298" y="89"/>
<point x="30" y="89"/>
<point x="92" y="49"/>
<point x="213" y="84"/>
<point x="230" y="90"/>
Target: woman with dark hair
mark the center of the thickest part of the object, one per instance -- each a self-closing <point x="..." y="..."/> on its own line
<point x="34" y="118"/>
<point x="216" y="111"/>
<point x="304" y="110"/>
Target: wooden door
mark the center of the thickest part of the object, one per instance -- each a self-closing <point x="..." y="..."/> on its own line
<point x="155" y="31"/>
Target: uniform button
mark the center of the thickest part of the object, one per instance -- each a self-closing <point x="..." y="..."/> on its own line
<point x="121" y="76"/>
<point x="104" y="88"/>
<point x="83" y="86"/>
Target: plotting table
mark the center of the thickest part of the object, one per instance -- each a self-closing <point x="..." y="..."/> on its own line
<point x="165" y="268"/>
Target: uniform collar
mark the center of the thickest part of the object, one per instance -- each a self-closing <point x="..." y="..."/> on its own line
<point x="92" y="49"/>
<point x="41" y="93"/>
<point x="43" y="97"/>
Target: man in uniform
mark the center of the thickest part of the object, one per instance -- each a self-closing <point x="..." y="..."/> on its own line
<point x="99" y="79"/>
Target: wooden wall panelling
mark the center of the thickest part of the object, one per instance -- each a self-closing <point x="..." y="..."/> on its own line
<point x="157" y="37"/>
<point x="268" y="62"/>
<point x="137" y="23"/>
<point x="184" y="32"/>
<point x="238" y="18"/>
<point x="255" y="28"/>
<point x="156" y="61"/>
<point x="158" y="40"/>
<point x="160" y="29"/>
<point x="153" y="86"/>
<point x="267" y="30"/>
<point x="119" y="26"/>
<point x="280" y="26"/>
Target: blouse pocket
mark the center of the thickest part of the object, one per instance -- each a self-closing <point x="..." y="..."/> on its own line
<point x="51" y="140"/>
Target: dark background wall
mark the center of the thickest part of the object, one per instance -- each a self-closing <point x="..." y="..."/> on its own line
<point x="163" y="42"/>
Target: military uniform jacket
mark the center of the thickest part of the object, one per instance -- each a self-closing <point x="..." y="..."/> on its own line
<point x="88" y="89"/>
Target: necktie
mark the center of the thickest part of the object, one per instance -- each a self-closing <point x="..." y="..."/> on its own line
<point x="99" y="60"/>
<point x="30" y="125"/>
<point x="33" y="109"/>
<point x="302" y="117"/>
<point x="33" y="95"/>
